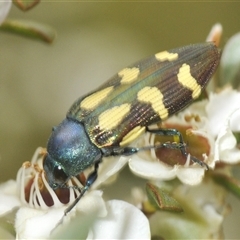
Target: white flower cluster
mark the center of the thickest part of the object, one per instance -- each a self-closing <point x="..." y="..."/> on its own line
<point x="40" y="209"/>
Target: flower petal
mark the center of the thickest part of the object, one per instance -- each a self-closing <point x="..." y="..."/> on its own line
<point x="108" y="168"/>
<point x="4" y="9"/>
<point x="156" y="170"/>
<point x="8" y="197"/>
<point x="92" y="202"/>
<point x="191" y="175"/>
<point x="219" y="109"/>
<point x="36" y="224"/>
<point x="124" y="221"/>
<point x="225" y="145"/>
<point x="215" y="34"/>
<point x="230" y="62"/>
<point x="88" y="210"/>
<point x="151" y="170"/>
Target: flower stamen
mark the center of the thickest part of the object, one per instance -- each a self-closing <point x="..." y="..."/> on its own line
<point x="34" y="189"/>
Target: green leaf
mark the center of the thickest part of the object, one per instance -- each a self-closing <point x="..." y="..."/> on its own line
<point x="237" y="136"/>
<point x="161" y="200"/>
<point x="29" y="29"/>
<point x="230" y="183"/>
<point x="26" y="4"/>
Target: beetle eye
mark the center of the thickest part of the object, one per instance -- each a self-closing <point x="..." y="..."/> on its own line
<point x="60" y="176"/>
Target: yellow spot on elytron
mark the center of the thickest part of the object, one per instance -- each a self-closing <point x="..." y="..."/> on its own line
<point x="176" y="138"/>
<point x="129" y="75"/>
<point x="132" y="135"/>
<point x="94" y="99"/>
<point x="166" y="56"/>
<point x="188" y="81"/>
<point x="111" y="118"/>
<point x="154" y="96"/>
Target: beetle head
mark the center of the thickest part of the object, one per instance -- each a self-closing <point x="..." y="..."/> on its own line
<point x="70" y="152"/>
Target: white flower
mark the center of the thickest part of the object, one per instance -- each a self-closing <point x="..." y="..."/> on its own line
<point x="4" y="9"/>
<point x="224" y="118"/>
<point x="8" y="197"/>
<point x="204" y="211"/>
<point x="41" y="210"/>
<point x="210" y="123"/>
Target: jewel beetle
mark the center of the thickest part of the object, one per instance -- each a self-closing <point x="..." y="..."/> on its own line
<point x="104" y="122"/>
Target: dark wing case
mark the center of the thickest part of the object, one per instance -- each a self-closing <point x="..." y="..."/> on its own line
<point x="144" y="93"/>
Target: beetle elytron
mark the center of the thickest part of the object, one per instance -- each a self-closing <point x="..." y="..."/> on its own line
<point x="104" y="122"/>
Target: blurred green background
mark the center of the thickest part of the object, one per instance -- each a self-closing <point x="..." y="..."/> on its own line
<point x="39" y="82"/>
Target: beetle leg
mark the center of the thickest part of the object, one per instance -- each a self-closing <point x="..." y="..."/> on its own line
<point x="90" y="180"/>
<point x="181" y="145"/>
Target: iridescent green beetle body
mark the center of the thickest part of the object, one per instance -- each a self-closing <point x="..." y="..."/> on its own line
<point x="120" y="110"/>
